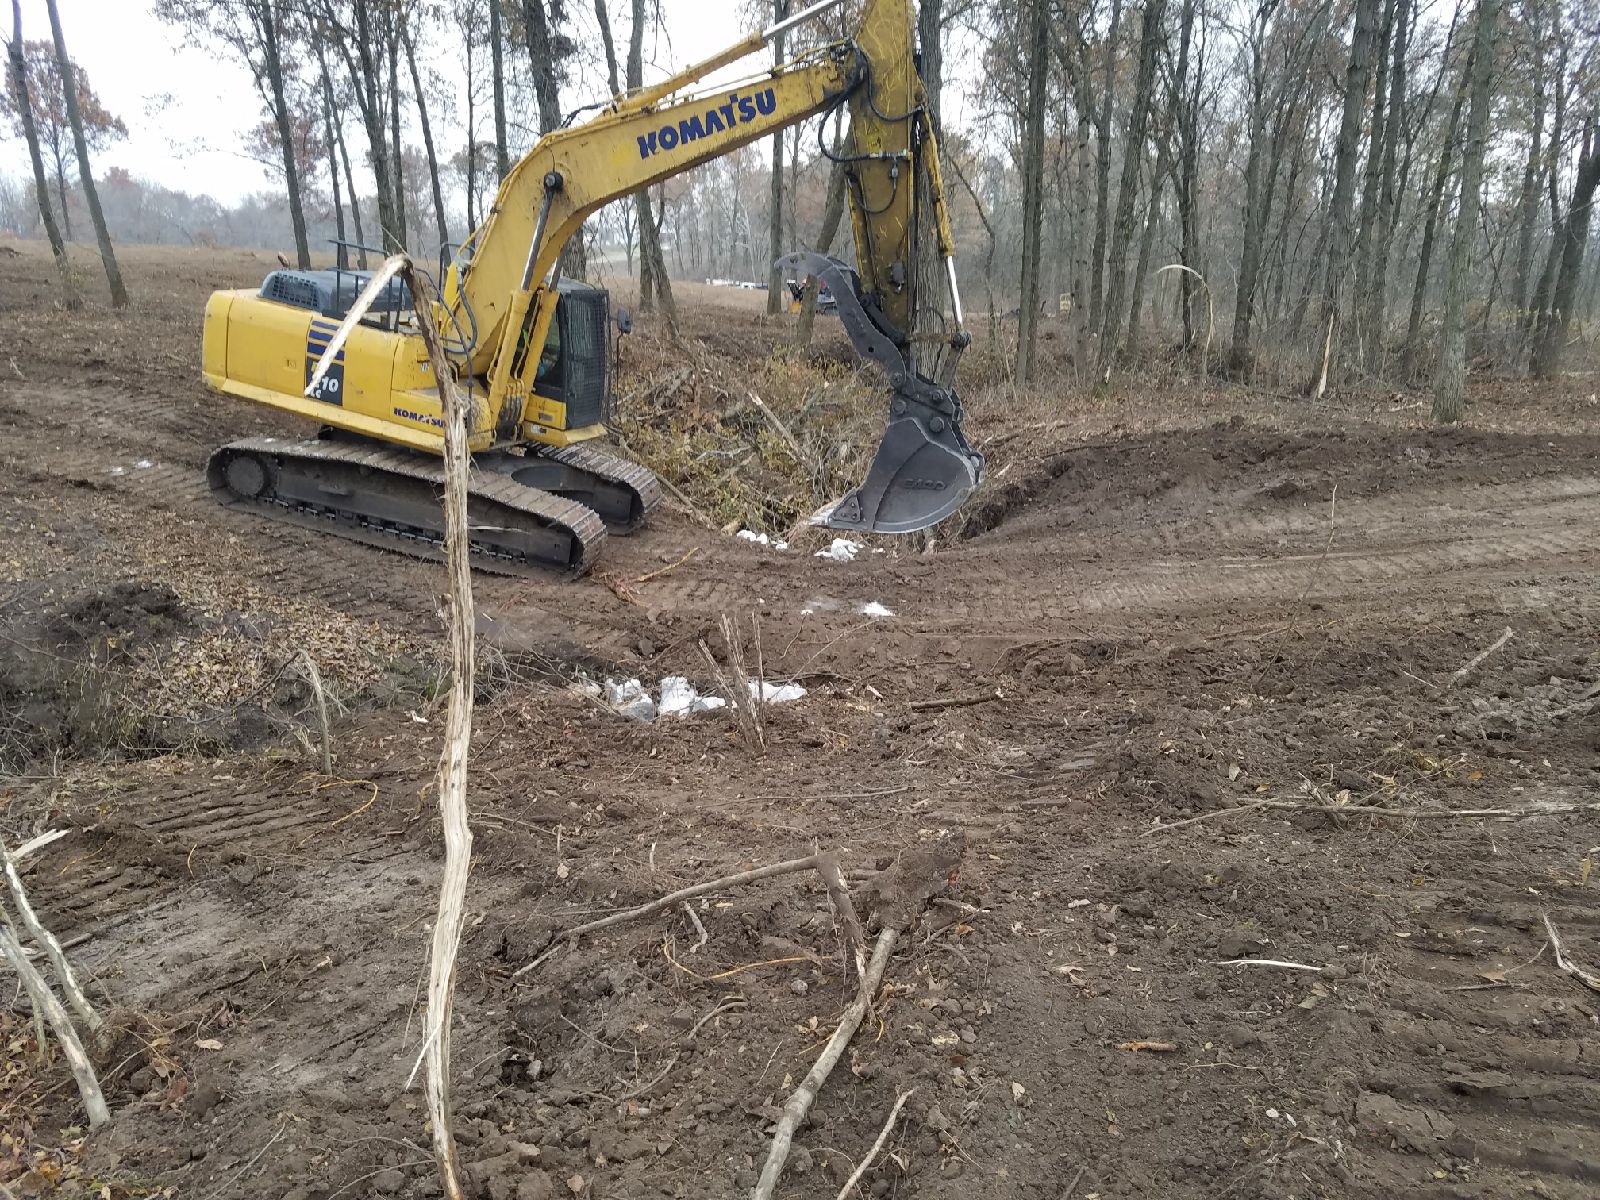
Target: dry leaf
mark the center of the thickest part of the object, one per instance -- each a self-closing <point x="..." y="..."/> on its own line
<point x="208" y="1044"/>
<point x="1156" y="1047"/>
<point x="575" y="1184"/>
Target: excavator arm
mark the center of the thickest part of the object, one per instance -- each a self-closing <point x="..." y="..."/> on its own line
<point x="502" y="286"/>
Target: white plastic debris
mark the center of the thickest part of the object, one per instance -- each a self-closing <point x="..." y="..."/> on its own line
<point x="628" y="698"/>
<point x="119" y="470"/>
<point x="144" y="464"/>
<point x="776" y="693"/>
<point x="760" y="539"/>
<point x="679" y="698"/>
<point x="873" y="609"/>
<point x="842" y="550"/>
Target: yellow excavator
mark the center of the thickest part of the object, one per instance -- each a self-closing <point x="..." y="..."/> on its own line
<point x="532" y="350"/>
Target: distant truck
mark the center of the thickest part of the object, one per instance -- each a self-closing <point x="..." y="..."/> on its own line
<point x="797" y="292"/>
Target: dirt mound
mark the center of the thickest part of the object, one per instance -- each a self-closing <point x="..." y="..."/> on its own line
<point x="1180" y="475"/>
<point x="128" y="610"/>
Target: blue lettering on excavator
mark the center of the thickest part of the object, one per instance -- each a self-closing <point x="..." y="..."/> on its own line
<point x="736" y="110"/>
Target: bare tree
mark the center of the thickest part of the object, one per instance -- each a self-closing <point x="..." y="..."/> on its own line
<point x="1570" y="242"/>
<point x="1357" y="76"/>
<point x="1127" y="190"/>
<point x="108" y="255"/>
<point x="439" y="217"/>
<point x="1038" y="51"/>
<point x="22" y="100"/>
<point x="780" y="10"/>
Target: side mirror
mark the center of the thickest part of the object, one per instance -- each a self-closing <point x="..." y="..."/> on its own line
<point x="624" y="320"/>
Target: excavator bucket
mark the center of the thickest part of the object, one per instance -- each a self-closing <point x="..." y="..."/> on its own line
<point x="923" y="469"/>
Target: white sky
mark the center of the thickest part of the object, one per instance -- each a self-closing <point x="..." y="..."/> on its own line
<point x="188" y="111"/>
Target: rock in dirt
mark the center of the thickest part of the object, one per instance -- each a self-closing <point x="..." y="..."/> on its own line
<point x="204" y="1098"/>
<point x="387" y="1183"/>
<point x="897" y="895"/>
<point x="1411" y="1128"/>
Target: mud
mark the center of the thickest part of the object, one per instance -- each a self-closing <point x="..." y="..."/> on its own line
<point x="1134" y="628"/>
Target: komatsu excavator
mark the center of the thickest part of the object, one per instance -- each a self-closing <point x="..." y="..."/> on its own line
<point x="531" y="350"/>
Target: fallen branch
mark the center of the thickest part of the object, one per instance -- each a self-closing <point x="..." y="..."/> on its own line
<point x="849" y="923"/>
<point x="799" y="1104"/>
<point x="800" y="456"/>
<point x="1478" y="661"/>
<point x="34" y="845"/>
<point x="963" y="701"/>
<point x="1209" y="816"/>
<point x="44" y="1001"/>
<point x="46" y="941"/>
<point x="1268" y="962"/>
<point x="877" y="1146"/>
<point x="1587" y="978"/>
<point x="699" y="926"/>
<point x="689" y="893"/>
<point x="660" y="571"/>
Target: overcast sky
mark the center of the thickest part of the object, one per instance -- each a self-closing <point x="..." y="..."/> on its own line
<point x="187" y="110"/>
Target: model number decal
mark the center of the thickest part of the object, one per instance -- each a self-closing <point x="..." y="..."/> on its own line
<point x="318" y="337"/>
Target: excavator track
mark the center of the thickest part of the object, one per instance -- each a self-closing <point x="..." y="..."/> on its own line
<point x="623" y="493"/>
<point x="391" y="499"/>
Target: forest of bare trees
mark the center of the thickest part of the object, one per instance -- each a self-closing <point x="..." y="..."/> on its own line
<point x="1297" y="190"/>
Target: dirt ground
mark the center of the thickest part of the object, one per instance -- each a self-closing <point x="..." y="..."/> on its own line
<point x="1166" y="604"/>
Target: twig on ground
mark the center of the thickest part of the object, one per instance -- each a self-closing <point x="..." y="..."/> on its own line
<point x="1207" y="816"/>
<point x="877" y="1146"/>
<point x="1073" y="1186"/>
<point x="1268" y="962"/>
<point x="700" y="928"/>
<point x="965" y="700"/>
<point x="29" y="921"/>
<point x="800" y="456"/>
<point x="314" y="676"/>
<point x="670" y="567"/>
<point x="1587" y="978"/>
<point x="44" y="1000"/>
<point x="1477" y="661"/>
<point x="689" y="893"/>
<point x="845" y="911"/>
<point x="799" y="1104"/>
<point x="34" y="845"/>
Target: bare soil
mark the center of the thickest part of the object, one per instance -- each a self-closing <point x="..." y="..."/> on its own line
<point x="1169" y="602"/>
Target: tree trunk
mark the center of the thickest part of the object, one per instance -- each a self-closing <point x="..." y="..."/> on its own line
<point x="472" y="139"/>
<point x="1572" y="238"/>
<point x="91" y="197"/>
<point x="1186" y="178"/>
<point x="1388" y="196"/>
<point x="1032" y="186"/>
<point x="336" y="135"/>
<point x="364" y="60"/>
<point x="272" y="61"/>
<point x="1449" y="383"/>
<point x="1146" y="247"/>
<point x="502" y="158"/>
<point x="930" y="37"/>
<point x="654" y="282"/>
<point x="1102" y="174"/>
<point x="342" y="254"/>
<point x="427" y="139"/>
<point x="780" y="10"/>
<point x="832" y="215"/>
<point x="1357" y="76"/>
<point x="1372" y="188"/>
<point x="1528" y="196"/>
<point x="30" y="134"/>
<point x="397" y="147"/>
<point x="541" y="60"/>
<point x="1241" y="356"/>
<point x="1127" y="191"/>
<point x="1430" y="228"/>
